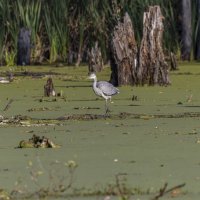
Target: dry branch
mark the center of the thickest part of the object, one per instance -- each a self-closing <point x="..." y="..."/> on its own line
<point x="164" y="190"/>
<point x="8" y="105"/>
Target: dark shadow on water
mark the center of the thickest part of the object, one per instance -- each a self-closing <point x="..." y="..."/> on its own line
<point x="76" y="100"/>
<point x="35" y="74"/>
<point x="97" y="99"/>
<point x="192" y="106"/>
<point x="74" y="86"/>
<point x="86" y="108"/>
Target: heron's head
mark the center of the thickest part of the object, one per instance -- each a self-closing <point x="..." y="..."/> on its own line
<point x="92" y="76"/>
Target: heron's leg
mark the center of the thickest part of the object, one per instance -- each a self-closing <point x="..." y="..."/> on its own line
<point x="111" y="100"/>
<point x="106" y="106"/>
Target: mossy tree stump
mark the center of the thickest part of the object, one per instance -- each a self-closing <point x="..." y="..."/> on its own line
<point x="49" y="88"/>
<point x="147" y="65"/>
<point x="123" y="54"/>
<point x="153" y="69"/>
<point x="95" y="60"/>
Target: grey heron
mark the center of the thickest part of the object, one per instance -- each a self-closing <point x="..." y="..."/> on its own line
<point x="103" y="89"/>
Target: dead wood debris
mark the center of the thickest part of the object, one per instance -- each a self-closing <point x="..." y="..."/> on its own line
<point x="95" y="60"/>
<point x="49" y="88"/>
<point x="163" y="191"/>
<point x="37" y="142"/>
<point x="133" y="65"/>
<point x="153" y="69"/>
<point x="8" y="105"/>
<point x="124" y="53"/>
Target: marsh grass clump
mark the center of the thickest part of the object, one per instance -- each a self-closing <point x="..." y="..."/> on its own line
<point x="58" y="183"/>
<point x="38" y="142"/>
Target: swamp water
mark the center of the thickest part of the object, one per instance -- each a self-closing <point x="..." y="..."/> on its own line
<point x="146" y="143"/>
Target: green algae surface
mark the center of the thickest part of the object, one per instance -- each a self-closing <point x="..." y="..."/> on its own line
<point x="150" y="140"/>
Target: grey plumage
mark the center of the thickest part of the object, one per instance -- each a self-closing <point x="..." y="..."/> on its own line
<point x="103" y="89"/>
<point x="107" y="88"/>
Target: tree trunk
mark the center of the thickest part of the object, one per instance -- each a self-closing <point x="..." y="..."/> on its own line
<point x="186" y="29"/>
<point x="153" y="68"/>
<point x="123" y="54"/>
<point x="173" y="61"/>
<point x="197" y="56"/>
<point x="24" y="47"/>
<point x="79" y="57"/>
<point x="95" y="60"/>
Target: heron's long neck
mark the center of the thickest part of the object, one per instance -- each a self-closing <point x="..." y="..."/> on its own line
<point x="95" y="82"/>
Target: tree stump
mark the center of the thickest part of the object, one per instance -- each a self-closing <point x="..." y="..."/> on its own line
<point x="24" y="47"/>
<point x="123" y="54"/>
<point x="49" y="88"/>
<point x="95" y="59"/>
<point x="153" y="68"/>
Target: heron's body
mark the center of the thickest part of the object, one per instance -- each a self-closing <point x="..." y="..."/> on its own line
<point x="103" y="89"/>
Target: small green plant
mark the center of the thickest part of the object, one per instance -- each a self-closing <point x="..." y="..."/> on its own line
<point x="10" y="58"/>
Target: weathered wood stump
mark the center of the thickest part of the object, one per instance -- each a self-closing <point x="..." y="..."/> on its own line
<point x="24" y="47"/>
<point x="49" y="88"/>
<point x="123" y="54"/>
<point x="153" y="68"/>
<point x="95" y="60"/>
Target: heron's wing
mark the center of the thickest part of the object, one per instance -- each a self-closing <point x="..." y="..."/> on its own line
<point x="107" y="88"/>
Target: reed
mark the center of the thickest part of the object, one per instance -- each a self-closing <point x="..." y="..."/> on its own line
<point x="66" y="26"/>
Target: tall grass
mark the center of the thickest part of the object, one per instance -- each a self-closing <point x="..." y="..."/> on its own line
<point x="73" y="26"/>
<point x="29" y="15"/>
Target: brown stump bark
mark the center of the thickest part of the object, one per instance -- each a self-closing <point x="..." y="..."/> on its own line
<point x="153" y="68"/>
<point x="49" y="88"/>
<point x="95" y="60"/>
<point x="123" y="54"/>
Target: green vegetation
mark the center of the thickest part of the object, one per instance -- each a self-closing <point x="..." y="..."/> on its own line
<point x="64" y="30"/>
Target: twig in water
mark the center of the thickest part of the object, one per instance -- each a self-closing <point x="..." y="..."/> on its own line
<point x="120" y="187"/>
<point x="163" y="190"/>
<point x="8" y="105"/>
